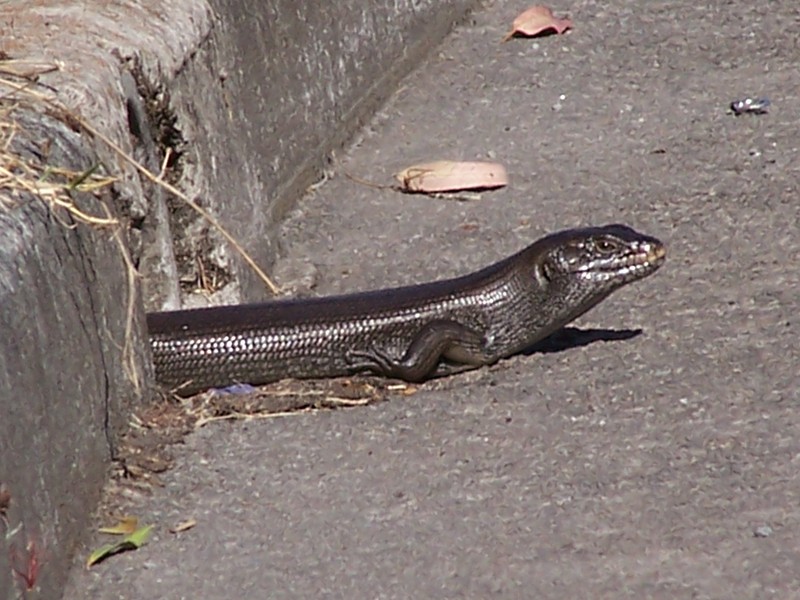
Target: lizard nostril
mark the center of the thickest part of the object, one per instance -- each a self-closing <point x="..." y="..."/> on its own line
<point x="547" y="271"/>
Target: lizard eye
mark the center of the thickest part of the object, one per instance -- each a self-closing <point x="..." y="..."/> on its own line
<point x="606" y="246"/>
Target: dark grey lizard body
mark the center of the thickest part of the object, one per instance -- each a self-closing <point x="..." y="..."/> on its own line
<point x="412" y="332"/>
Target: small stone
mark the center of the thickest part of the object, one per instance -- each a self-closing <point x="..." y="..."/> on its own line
<point x="763" y="531"/>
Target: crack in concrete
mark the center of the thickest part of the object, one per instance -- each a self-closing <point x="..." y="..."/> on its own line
<point x="93" y="330"/>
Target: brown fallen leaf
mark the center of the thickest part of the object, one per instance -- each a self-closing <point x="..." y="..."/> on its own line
<point x="183" y="526"/>
<point x="125" y="526"/>
<point x="451" y="176"/>
<point x="535" y="21"/>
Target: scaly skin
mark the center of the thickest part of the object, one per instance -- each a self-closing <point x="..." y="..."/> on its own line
<point x="412" y="332"/>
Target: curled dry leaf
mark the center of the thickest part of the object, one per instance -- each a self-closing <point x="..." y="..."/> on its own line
<point x="125" y="526"/>
<point x="183" y="526"/>
<point x="535" y="21"/>
<point x="451" y="176"/>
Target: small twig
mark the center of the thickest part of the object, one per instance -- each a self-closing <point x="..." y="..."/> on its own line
<point x="328" y="402"/>
<point x="165" y="163"/>
<point x="34" y="69"/>
<point x="336" y="401"/>
<point x="176" y="192"/>
<point x="128" y="355"/>
<point x="248" y="417"/>
<point x="361" y="181"/>
<point x="156" y="179"/>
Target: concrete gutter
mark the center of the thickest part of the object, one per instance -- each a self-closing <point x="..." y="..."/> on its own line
<point x="250" y="105"/>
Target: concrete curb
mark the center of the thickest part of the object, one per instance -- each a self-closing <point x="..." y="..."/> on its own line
<point x="65" y="391"/>
<point x="216" y="84"/>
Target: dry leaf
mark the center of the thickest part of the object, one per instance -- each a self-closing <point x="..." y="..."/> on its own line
<point x="535" y="21"/>
<point x="451" y="176"/>
<point x="187" y="524"/>
<point x="126" y="525"/>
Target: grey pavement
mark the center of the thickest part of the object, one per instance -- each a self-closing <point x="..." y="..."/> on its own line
<point x="664" y="464"/>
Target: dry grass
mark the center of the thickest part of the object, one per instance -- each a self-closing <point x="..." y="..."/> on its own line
<point x="24" y="90"/>
<point x="55" y="186"/>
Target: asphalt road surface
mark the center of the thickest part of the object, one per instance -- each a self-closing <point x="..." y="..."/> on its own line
<point x="654" y="454"/>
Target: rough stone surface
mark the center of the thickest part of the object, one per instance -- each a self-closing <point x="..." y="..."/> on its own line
<point x="98" y="48"/>
<point x="63" y="388"/>
<point x="63" y="385"/>
<point x="268" y="96"/>
<point x="635" y="468"/>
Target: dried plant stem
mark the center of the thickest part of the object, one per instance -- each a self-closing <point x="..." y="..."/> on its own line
<point x="128" y="355"/>
<point x="157" y="179"/>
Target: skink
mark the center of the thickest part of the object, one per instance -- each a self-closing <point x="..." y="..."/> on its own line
<point x="411" y="333"/>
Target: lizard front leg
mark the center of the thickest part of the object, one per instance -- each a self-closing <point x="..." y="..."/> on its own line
<point x="435" y="341"/>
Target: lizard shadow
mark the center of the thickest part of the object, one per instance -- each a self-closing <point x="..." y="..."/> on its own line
<point x="572" y="337"/>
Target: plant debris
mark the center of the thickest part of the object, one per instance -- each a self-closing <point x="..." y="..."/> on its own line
<point x="537" y="20"/>
<point x="183" y="526"/>
<point x="132" y="541"/>
<point x="125" y="526"/>
<point x="452" y="176"/>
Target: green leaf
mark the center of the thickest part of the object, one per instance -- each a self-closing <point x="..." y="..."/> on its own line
<point x="82" y="177"/>
<point x="132" y="541"/>
<point x="139" y="537"/>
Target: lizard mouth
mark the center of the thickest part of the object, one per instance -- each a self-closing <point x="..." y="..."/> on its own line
<point x="639" y="262"/>
<point x="653" y="256"/>
<point x="657" y="254"/>
<point x="646" y="260"/>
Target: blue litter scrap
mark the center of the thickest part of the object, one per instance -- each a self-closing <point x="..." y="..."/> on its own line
<point x="235" y="389"/>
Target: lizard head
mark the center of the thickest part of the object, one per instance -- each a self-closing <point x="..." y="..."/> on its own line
<point x="578" y="268"/>
<point x="600" y="258"/>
